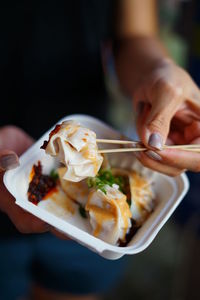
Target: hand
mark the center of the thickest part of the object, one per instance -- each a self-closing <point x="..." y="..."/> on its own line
<point x="168" y="106"/>
<point x="17" y="141"/>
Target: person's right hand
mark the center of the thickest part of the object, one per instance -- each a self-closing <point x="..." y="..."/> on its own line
<point x="13" y="142"/>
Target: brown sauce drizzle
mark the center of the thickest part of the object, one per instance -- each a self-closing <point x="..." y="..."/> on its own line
<point x="54" y="131"/>
<point x="40" y="185"/>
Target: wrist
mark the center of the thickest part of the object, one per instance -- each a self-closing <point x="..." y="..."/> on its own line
<point x="136" y="58"/>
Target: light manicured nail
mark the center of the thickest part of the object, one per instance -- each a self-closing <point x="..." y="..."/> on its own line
<point x="153" y="155"/>
<point x="155" y="141"/>
<point x="9" y="161"/>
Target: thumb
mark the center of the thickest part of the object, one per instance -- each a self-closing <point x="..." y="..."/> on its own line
<point x="8" y="160"/>
<point x="17" y="141"/>
<point x="155" y="125"/>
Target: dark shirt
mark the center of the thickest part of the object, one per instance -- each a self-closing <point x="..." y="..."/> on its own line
<point x="50" y="63"/>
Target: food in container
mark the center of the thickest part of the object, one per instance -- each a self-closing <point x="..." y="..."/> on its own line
<point x="75" y="146"/>
<point x="168" y="193"/>
<point x="110" y="215"/>
<point x="114" y="201"/>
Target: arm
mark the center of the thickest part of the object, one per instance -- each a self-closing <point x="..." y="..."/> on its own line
<point x="137" y="48"/>
<point x="165" y="97"/>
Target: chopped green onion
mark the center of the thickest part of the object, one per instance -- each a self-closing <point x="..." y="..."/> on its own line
<point x="54" y="175"/>
<point x="105" y="177"/>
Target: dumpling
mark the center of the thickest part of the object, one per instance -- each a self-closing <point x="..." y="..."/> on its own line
<point x="139" y="193"/>
<point x="75" y="146"/>
<point x="77" y="191"/>
<point x="141" y="197"/>
<point x="110" y="216"/>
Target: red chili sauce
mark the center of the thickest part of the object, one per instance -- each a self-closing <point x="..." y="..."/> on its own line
<point x="40" y="185"/>
<point x="54" y="131"/>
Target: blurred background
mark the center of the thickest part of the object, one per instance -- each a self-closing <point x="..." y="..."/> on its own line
<point x="170" y="267"/>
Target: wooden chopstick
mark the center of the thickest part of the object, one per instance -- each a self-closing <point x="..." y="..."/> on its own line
<point x="192" y="148"/>
<point x="189" y="146"/>
<point x="105" y="141"/>
<point x="121" y="150"/>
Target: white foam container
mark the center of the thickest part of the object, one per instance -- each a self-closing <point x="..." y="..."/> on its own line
<point x="169" y="193"/>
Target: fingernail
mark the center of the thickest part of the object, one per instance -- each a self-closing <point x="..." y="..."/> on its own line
<point x="155" y="141"/>
<point x="153" y="155"/>
<point x="9" y="161"/>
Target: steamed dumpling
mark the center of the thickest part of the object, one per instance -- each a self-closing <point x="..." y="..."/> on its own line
<point x="77" y="191"/>
<point x="141" y="197"/>
<point x="75" y="146"/>
<point x="109" y="214"/>
<point x="140" y="193"/>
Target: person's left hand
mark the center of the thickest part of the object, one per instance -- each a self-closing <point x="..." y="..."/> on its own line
<point x="17" y="141"/>
<point x="168" y="108"/>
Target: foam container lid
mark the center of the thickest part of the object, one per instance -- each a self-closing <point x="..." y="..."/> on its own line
<point x="169" y="193"/>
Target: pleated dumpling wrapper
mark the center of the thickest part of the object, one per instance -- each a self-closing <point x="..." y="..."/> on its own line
<point x="75" y="146"/>
<point x="141" y="196"/>
<point x="110" y="216"/>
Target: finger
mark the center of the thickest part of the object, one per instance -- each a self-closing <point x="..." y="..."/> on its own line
<point x="192" y="107"/>
<point x="58" y="234"/>
<point x="14" y="139"/>
<point x="188" y="113"/>
<point x="169" y="141"/>
<point x="27" y="223"/>
<point x="152" y="160"/>
<point x="8" y="160"/>
<point x="196" y="141"/>
<point x="143" y="112"/>
<point x="180" y="159"/>
<point x="178" y="124"/>
<point x="192" y="131"/>
<point x="196" y="96"/>
<point x="23" y="221"/>
<point x="177" y="138"/>
<point x="165" y="101"/>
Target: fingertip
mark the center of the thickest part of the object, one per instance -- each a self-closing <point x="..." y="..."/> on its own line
<point x="196" y="141"/>
<point x="59" y="234"/>
<point x="27" y="223"/>
<point x="8" y="160"/>
<point x="153" y="155"/>
<point x="36" y="225"/>
<point x="155" y="141"/>
<point x="42" y="228"/>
